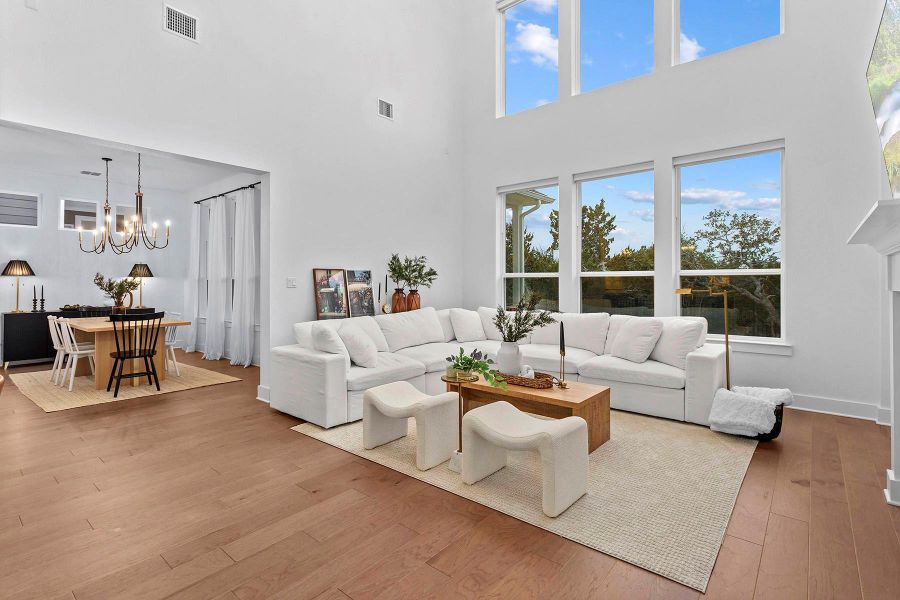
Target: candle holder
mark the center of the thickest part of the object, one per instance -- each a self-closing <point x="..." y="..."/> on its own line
<point x="42" y="306"/>
<point x="34" y="305"/>
<point x="561" y="382"/>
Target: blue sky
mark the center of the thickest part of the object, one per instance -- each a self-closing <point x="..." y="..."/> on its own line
<point x="630" y="199"/>
<point x="617" y="41"/>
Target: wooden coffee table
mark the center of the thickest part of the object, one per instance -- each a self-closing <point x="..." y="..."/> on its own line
<point x="590" y="402"/>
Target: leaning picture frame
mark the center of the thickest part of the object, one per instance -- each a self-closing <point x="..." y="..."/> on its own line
<point x="361" y="298"/>
<point x="330" y="287"/>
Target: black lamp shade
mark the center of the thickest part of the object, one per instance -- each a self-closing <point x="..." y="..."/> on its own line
<point x="140" y="270"/>
<point x="17" y="268"/>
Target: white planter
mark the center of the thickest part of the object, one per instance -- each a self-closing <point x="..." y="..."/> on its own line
<point x="508" y="358"/>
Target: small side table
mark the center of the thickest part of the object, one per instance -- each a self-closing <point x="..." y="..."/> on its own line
<point x="456" y="459"/>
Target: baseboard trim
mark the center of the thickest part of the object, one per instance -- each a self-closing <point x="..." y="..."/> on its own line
<point x="836" y="406"/>
<point x="262" y="393"/>
<point x="892" y="490"/>
<point x="884" y="416"/>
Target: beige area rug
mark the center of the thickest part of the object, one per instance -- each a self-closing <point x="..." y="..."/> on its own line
<point x="660" y="493"/>
<point x="37" y="386"/>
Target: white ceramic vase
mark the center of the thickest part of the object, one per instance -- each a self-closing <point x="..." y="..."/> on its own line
<point x="509" y="358"/>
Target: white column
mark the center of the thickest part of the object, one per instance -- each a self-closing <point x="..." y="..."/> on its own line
<point x="569" y="300"/>
<point x="892" y="487"/>
<point x="567" y="32"/>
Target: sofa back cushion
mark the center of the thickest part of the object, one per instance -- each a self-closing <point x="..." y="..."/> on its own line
<point x="303" y="334"/>
<point x="490" y="330"/>
<point x="467" y="325"/>
<point x="360" y="347"/>
<point x="679" y="337"/>
<point x="443" y="316"/>
<point x="636" y="338"/>
<point x="586" y="331"/>
<point x="303" y="331"/>
<point x="325" y="338"/>
<point x="412" y="328"/>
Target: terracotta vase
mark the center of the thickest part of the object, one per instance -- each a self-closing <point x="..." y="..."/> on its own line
<point x="413" y="300"/>
<point x="398" y="301"/>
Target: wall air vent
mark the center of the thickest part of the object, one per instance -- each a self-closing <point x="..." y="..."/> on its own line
<point x="180" y="23"/>
<point x="91" y="173"/>
<point x="385" y="109"/>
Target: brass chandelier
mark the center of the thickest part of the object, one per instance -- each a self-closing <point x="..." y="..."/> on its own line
<point x="133" y="232"/>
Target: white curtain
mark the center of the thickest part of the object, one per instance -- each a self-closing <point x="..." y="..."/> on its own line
<point x="192" y="285"/>
<point x="217" y="279"/>
<point x="246" y="279"/>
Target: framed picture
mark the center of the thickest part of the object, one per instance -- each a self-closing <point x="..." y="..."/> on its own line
<point x="330" y="286"/>
<point x="359" y="291"/>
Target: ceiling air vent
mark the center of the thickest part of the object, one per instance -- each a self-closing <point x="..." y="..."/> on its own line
<point x="385" y="109"/>
<point x="91" y="173"/>
<point x="180" y="23"/>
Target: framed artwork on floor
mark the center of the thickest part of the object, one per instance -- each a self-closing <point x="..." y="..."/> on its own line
<point x="359" y="292"/>
<point x="330" y="286"/>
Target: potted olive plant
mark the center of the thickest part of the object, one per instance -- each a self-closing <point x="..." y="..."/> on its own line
<point x="116" y="290"/>
<point x="465" y="365"/>
<point x="514" y="326"/>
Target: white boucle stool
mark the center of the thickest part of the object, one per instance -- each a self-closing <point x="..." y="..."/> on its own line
<point x="490" y="431"/>
<point x="386" y="412"/>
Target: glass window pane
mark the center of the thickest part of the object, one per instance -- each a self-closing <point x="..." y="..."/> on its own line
<point x="531" y="54"/>
<point x="754" y="303"/>
<point x="617" y="295"/>
<point x="123" y="214"/>
<point x="78" y="213"/>
<point x="547" y="288"/>
<point x="731" y="213"/>
<point x="710" y="26"/>
<point x="617" y="223"/>
<point x="616" y="41"/>
<point x="532" y="230"/>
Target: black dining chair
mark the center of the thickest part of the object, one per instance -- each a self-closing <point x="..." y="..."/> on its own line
<point x="136" y="337"/>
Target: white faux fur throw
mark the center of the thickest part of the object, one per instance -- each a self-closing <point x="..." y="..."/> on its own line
<point x="774" y="395"/>
<point x="741" y="414"/>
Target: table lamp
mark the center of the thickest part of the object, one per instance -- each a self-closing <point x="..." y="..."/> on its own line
<point x="17" y="268"/>
<point x="718" y="286"/>
<point x="140" y="270"/>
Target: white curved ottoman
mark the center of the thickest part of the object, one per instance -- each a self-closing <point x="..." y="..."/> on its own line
<point x="490" y="431"/>
<point x="386" y="412"/>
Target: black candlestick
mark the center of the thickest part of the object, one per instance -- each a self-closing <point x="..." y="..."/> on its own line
<point x="34" y="305"/>
<point x="42" y="305"/>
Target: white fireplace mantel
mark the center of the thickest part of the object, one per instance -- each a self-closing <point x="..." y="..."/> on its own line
<point x="880" y="229"/>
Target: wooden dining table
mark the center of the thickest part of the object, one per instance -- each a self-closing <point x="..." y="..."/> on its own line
<point x="99" y="331"/>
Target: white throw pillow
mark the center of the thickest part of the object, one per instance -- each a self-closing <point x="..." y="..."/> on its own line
<point x="359" y="345"/>
<point x="679" y="337"/>
<point x="370" y="327"/>
<point x="467" y="325"/>
<point x="487" y="323"/>
<point x="326" y="339"/>
<point x="413" y="328"/>
<point x="303" y="334"/>
<point x="586" y="331"/>
<point x="636" y="338"/>
<point x="615" y="323"/>
<point x="443" y="316"/>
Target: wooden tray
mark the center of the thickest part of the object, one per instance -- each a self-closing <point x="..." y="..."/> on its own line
<point x="541" y="381"/>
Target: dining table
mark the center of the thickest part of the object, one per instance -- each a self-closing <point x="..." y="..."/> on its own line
<point x="99" y="331"/>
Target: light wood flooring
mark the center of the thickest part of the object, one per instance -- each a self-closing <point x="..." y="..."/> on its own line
<point x="206" y="493"/>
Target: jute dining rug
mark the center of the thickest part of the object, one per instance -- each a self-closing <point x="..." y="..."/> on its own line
<point x="36" y="385"/>
<point x="660" y="493"/>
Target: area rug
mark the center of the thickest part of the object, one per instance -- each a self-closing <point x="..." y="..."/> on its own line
<point x="38" y="388"/>
<point x="660" y="493"/>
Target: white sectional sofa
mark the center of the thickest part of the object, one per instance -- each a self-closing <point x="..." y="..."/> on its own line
<point x="320" y="384"/>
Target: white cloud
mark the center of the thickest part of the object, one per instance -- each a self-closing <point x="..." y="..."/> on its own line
<point x="542" y="102"/>
<point x="542" y="6"/>
<point x="755" y="203"/>
<point x="767" y="185"/>
<point x="690" y="48"/>
<point x="710" y="196"/>
<point x="636" y="196"/>
<point x="587" y="60"/>
<point x="644" y="214"/>
<point x="539" y="43"/>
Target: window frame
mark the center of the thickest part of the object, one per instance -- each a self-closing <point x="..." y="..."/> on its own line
<point x="39" y="203"/>
<point x="98" y="219"/>
<point x="718" y="156"/>
<point x="500" y="57"/>
<point x="676" y="36"/>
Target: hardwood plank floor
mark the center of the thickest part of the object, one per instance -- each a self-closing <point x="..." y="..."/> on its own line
<point x="207" y="493"/>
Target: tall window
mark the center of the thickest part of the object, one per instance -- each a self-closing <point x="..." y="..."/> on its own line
<point x="532" y="245"/>
<point x="617" y="244"/>
<point x="19" y="209"/>
<point x="731" y="228"/>
<point x="531" y="54"/>
<point x="616" y="41"/>
<point x="78" y="214"/>
<point x="711" y="26"/>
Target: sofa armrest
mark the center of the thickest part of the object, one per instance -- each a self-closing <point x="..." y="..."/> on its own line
<point x="309" y="384"/>
<point x="704" y="374"/>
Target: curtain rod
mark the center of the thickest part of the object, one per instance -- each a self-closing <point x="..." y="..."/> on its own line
<point x="245" y="187"/>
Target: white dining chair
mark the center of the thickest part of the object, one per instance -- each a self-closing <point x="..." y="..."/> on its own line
<point x="58" y="346"/>
<point x="74" y="351"/>
<point x="171" y="340"/>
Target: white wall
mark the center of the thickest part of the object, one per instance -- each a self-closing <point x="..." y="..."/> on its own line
<point x="807" y="86"/>
<point x="288" y="88"/>
<point x="67" y="273"/>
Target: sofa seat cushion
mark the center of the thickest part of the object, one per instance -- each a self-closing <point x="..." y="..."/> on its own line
<point x="388" y="368"/>
<point x="649" y="372"/>
<point x="433" y="356"/>
<point x="545" y="357"/>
